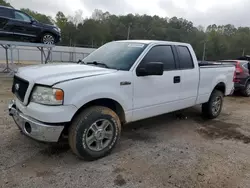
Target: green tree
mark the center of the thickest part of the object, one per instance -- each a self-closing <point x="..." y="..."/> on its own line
<point x="4" y="3"/>
<point x="221" y="41"/>
<point x="38" y="16"/>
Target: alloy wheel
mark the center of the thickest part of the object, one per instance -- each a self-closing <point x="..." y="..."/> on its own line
<point x="48" y="39"/>
<point x="99" y="135"/>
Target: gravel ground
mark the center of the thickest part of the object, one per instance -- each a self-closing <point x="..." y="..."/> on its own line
<point x="174" y="150"/>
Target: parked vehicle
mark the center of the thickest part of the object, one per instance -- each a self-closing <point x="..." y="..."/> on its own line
<point x="242" y="76"/>
<point x="17" y="24"/>
<point x="121" y="82"/>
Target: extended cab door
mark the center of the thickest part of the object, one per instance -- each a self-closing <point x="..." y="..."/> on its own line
<point x="155" y="95"/>
<point x="189" y="75"/>
<point x="22" y="25"/>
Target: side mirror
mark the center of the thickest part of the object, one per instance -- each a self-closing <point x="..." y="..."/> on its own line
<point x="151" y="68"/>
<point x="32" y="21"/>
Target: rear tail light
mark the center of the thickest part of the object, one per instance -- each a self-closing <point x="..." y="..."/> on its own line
<point x="238" y="68"/>
<point x="234" y="78"/>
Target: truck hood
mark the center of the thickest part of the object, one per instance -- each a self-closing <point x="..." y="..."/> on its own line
<point x="51" y="74"/>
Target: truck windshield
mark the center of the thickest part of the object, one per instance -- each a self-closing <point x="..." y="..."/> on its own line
<point x="116" y="55"/>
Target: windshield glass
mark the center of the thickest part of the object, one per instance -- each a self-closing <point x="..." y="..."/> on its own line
<point x="116" y="55"/>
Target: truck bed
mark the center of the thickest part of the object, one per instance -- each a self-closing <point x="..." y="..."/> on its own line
<point x="213" y="64"/>
<point x="208" y="79"/>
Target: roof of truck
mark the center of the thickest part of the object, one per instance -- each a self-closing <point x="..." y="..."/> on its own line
<point x="154" y="41"/>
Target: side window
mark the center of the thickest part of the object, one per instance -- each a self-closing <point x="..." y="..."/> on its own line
<point x="186" y="60"/>
<point x="246" y="65"/>
<point x="21" y="16"/>
<point x="4" y="12"/>
<point x="162" y="54"/>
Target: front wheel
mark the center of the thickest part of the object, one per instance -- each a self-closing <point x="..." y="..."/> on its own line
<point x="213" y="107"/>
<point x="94" y="132"/>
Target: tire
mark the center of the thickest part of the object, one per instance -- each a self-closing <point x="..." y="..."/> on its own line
<point x="246" y="90"/>
<point x="90" y="125"/>
<point x="212" y="108"/>
<point x="48" y="38"/>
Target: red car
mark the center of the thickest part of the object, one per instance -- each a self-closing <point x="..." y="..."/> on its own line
<point x="242" y="76"/>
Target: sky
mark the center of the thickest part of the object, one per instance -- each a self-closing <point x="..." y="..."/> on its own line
<point x="200" y="12"/>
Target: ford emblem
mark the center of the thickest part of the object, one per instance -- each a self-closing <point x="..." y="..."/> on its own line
<point x="17" y="87"/>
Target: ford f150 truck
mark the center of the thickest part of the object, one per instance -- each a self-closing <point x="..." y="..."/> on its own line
<point x="121" y="82"/>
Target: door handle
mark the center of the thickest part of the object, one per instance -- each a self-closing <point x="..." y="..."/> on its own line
<point x="177" y="79"/>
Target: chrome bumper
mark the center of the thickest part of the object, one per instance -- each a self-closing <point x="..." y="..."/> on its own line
<point x="33" y="128"/>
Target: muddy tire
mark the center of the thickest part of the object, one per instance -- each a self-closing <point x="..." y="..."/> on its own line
<point x="94" y="133"/>
<point x="246" y="90"/>
<point x="213" y="107"/>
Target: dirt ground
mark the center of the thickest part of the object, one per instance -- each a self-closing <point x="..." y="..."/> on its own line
<point x="174" y="151"/>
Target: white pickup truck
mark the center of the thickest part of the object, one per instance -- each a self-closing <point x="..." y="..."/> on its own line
<point x="121" y="82"/>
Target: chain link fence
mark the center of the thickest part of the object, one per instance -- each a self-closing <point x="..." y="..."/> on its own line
<point x="59" y="54"/>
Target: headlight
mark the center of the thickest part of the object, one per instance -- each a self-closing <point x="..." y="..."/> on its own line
<point x="47" y="95"/>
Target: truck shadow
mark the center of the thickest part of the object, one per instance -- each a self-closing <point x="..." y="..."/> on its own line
<point x="136" y="131"/>
<point x="147" y="130"/>
<point x="163" y="120"/>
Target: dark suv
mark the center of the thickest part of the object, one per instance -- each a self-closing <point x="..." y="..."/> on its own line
<point x="17" y="24"/>
<point x="241" y="75"/>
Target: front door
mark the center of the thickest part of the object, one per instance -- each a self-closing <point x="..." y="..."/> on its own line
<point x="155" y="95"/>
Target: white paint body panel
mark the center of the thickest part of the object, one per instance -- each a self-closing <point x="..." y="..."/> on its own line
<point x="144" y="97"/>
<point x="47" y="114"/>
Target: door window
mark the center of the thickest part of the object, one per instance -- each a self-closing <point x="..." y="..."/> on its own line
<point x="186" y="60"/>
<point x="22" y="17"/>
<point x="4" y="12"/>
<point x="163" y="54"/>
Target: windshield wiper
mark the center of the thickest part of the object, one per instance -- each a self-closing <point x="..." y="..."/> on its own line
<point x="96" y="63"/>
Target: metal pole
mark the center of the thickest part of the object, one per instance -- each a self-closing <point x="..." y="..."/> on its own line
<point x="18" y="56"/>
<point x="128" y="32"/>
<point x="51" y="55"/>
<point x="7" y="58"/>
<point x="41" y="49"/>
<point x="204" y="51"/>
<point x="11" y="55"/>
<point x="243" y="52"/>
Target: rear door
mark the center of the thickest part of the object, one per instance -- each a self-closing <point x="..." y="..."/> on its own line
<point x="155" y="95"/>
<point x="23" y="26"/>
<point x="5" y="17"/>
<point x="189" y="76"/>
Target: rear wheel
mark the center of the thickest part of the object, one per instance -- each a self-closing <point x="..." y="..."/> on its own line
<point x="48" y="38"/>
<point x="94" y="132"/>
<point x="213" y="107"/>
<point x="246" y="90"/>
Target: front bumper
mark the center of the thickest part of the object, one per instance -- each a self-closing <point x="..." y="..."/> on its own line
<point x="34" y="128"/>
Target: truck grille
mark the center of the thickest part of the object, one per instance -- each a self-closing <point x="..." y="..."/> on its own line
<point x="19" y="87"/>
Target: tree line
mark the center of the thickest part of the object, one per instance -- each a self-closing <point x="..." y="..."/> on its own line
<point x="217" y="41"/>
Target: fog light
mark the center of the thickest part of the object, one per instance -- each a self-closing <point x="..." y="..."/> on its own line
<point x="27" y="127"/>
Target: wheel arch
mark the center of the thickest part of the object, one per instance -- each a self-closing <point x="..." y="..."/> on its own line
<point x="49" y="32"/>
<point x="106" y="102"/>
<point x="247" y="80"/>
<point x="221" y="86"/>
